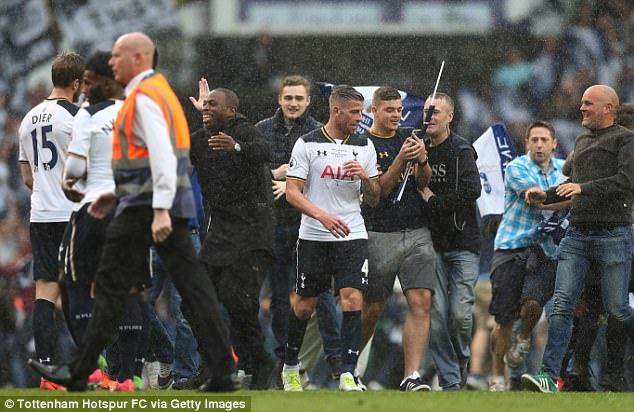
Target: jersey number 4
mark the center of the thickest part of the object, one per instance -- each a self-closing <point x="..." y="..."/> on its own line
<point x="46" y="144"/>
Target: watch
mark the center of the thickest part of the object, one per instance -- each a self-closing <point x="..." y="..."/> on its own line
<point x="237" y="147"/>
<point x="424" y="162"/>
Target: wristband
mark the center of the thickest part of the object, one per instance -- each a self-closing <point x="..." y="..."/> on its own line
<point x="424" y="162"/>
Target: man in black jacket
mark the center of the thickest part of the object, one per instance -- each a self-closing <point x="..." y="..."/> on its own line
<point x="600" y="232"/>
<point x="231" y="158"/>
<point x="290" y="121"/>
<point x="451" y="195"/>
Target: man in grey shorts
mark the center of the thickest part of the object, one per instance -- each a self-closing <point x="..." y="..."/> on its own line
<point x="399" y="241"/>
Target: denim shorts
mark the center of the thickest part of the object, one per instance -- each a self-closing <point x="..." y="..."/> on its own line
<point x="512" y="284"/>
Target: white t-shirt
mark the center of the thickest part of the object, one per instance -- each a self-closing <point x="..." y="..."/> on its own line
<point x="317" y="160"/>
<point x="92" y="140"/>
<point x="45" y="134"/>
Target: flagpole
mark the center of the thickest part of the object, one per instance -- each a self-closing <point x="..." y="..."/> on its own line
<point x="410" y="164"/>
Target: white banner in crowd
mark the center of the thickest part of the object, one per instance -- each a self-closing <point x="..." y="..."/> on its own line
<point x="495" y="150"/>
<point x="412" y="106"/>
<point x="25" y="37"/>
<point x="98" y="23"/>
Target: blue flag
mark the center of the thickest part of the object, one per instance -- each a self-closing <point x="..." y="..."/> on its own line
<point x="412" y="106"/>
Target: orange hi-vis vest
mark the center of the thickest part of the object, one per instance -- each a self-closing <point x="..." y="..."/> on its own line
<point x="130" y="156"/>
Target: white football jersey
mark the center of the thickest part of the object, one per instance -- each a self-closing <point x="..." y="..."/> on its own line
<point x="92" y="140"/>
<point x="45" y="134"/>
<point x="318" y="160"/>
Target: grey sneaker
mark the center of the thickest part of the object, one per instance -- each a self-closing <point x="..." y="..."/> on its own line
<point x="477" y="383"/>
<point x="516" y="355"/>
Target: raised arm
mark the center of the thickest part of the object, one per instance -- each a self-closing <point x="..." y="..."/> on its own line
<point x="203" y="91"/>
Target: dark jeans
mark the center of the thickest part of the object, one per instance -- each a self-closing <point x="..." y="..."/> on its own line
<point x="280" y="278"/>
<point x="183" y="351"/>
<point x="238" y="287"/>
<point x="607" y="251"/>
<point x="127" y="240"/>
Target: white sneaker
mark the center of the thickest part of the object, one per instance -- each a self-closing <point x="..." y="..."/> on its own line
<point x="347" y="383"/>
<point x="516" y="355"/>
<point x="497" y="384"/>
<point x="290" y="378"/>
<point x="244" y="379"/>
<point x="151" y="370"/>
<point x="159" y="375"/>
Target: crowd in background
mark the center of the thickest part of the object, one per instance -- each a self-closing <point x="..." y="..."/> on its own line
<point x="595" y="47"/>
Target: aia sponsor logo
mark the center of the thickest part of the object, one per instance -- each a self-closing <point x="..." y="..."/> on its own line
<point x="338" y="173"/>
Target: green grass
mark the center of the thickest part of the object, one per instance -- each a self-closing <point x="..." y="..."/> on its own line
<point x="467" y="401"/>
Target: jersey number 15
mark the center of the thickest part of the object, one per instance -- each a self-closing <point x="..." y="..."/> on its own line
<point x="46" y="144"/>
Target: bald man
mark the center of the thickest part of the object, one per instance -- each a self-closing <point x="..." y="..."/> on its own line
<point x="153" y="201"/>
<point x="600" y="232"/>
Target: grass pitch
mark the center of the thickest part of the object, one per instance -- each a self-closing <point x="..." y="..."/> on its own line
<point x="375" y="401"/>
